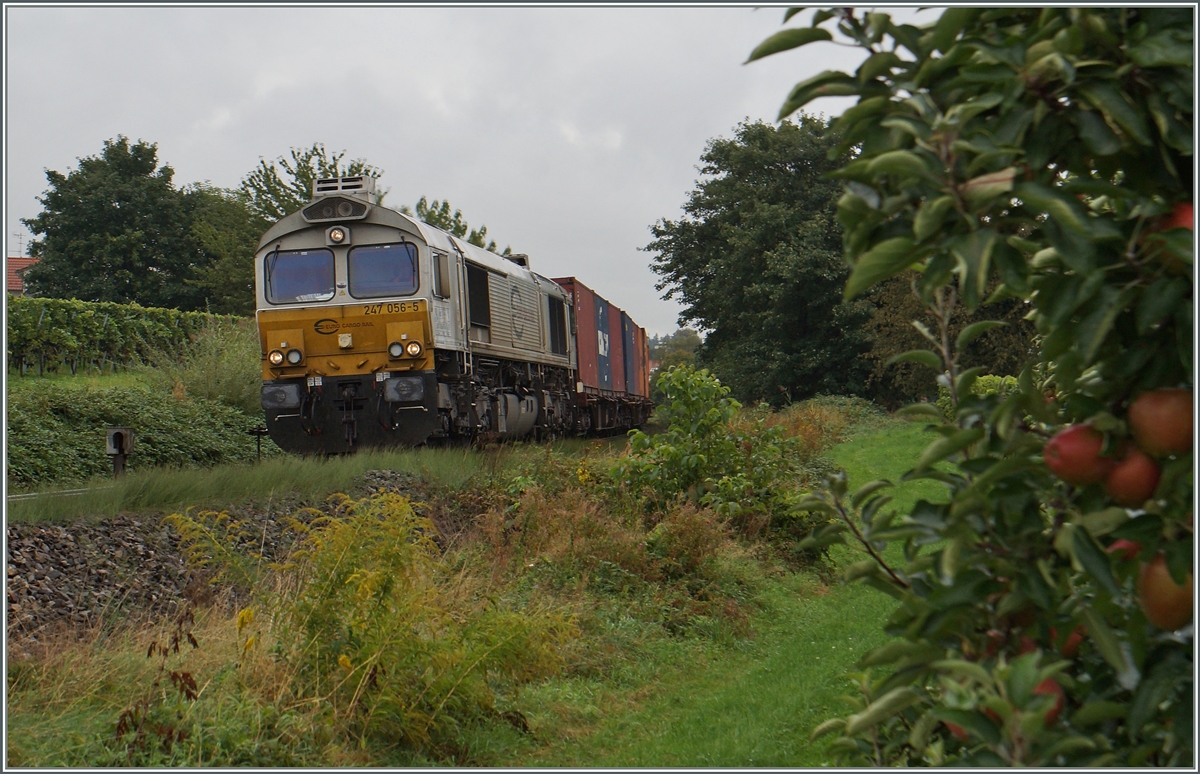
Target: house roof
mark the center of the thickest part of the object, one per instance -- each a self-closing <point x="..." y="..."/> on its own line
<point x="13" y="267"/>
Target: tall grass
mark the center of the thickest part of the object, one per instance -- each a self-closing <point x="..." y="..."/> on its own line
<point x="308" y="477"/>
<point x="223" y="363"/>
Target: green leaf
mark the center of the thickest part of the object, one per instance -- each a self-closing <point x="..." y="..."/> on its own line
<point x="1069" y="745"/>
<point x="974" y="330"/>
<point x="828" y="727"/>
<point x="883" y="708"/>
<point x="1065" y="211"/>
<point x="975" y="722"/>
<point x="947" y="445"/>
<point x="867" y="489"/>
<point x="963" y="668"/>
<point x="1095" y="133"/>
<point x="829" y="83"/>
<point x="1098" y="712"/>
<point x="898" y="649"/>
<point x="1022" y="677"/>
<point x="1117" y="110"/>
<point x="921" y="410"/>
<point x="1094" y="328"/>
<point x="973" y="256"/>
<point x="1109" y="647"/>
<point x="1158" y="301"/>
<point x="1094" y="560"/>
<point x="980" y="189"/>
<point x="949" y="24"/>
<point x="1162" y="49"/>
<point x="788" y="39"/>
<point x="1103" y="522"/>
<point x="922" y="356"/>
<point x="884" y="260"/>
<point x="930" y="215"/>
<point x="899" y="164"/>
<point x="918" y="737"/>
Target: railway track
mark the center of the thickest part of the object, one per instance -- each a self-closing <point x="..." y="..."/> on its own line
<point x="60" y="493"/>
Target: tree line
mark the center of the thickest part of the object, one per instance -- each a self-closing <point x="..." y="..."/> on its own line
<point x="756" y="260"/>
<point x="118" y="229"/>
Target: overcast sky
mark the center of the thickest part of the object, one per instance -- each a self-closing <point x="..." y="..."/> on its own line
<point x="567" y="131"/>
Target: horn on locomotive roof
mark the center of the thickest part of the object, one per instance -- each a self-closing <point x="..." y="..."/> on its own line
<point x="359" y="186"/>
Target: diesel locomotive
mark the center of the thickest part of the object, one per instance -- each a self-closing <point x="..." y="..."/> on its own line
<point x="379" y="330"/>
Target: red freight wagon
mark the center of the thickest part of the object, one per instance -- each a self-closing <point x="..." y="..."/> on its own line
<point x="613" y="359"/>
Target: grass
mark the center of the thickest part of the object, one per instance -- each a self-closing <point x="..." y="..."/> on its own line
<point x="711" y="694"/>
<point x="754" y="702"/>
<point x="81" y="380"/>
<point x="221" y="486"/>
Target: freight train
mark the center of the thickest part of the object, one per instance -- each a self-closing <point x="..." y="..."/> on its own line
<point x="380" y="330"/>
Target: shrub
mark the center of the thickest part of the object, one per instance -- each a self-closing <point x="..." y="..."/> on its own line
<point x="56" y="434"/>
<point x="987" y="384"/>
<point x="57" y="331"/>
<point x="376" y="634"/>
<point x="221" y="363"/>
<point x="739" y="469"/>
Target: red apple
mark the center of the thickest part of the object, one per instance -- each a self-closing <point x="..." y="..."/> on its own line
<point x="1166" y="605"/>
<point x="1124" y="549"/>
<point x="1049" y="687"/>
<point x="1074" y="455"/>
<point x="1183" y="216"/>
<point x="1070" y="648"/>
<point x="1161" y="421"/>
<point x="1133" y="479"/>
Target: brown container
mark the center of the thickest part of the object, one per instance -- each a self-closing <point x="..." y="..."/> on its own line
<point x="613" y="354"/>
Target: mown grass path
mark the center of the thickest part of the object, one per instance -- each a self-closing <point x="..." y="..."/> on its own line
<point x="755" y="703"/>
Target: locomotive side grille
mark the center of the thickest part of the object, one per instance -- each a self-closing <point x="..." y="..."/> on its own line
<point x="334" y="208"/>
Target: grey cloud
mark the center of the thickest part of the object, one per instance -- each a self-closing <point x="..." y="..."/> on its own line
<point x="567" y="131"/>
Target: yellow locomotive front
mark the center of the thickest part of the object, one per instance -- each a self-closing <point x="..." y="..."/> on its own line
<point x="345" y="329"/>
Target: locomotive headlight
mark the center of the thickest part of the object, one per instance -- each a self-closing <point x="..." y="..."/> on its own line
<point x="276" y="357"/>
<point x="294" y="357"/>
<point x="337" y="235"/>
<point x="413" y="348"/>
<point x="395" y="349"/>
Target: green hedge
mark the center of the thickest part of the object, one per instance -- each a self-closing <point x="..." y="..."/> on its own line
<point x="988" y="384"/>
<point x="54" y="332"/>
<point x="56" y="434"/>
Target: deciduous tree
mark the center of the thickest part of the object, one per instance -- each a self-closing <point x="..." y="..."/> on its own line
<point x="438" y="214"/>
<point x="756" y="262"/>
<point x="280" y="187"/>
<point x="227" y="231"/>
<point x="116" y="229"/>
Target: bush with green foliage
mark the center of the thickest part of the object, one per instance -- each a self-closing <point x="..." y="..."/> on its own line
<point x="1050" y="150"/>
<point x="221" y="363"/>
<point x="56" y="332"/>
<point x="738" y="470"/>
<point x="57" y="434"/>
<point x="374" y="631"/>
<point x="987" y="384"/>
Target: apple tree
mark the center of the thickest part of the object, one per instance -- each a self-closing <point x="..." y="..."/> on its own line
<point x="1044" y="603"/>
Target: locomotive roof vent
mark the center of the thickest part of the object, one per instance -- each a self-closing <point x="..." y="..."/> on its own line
<point x="520" y="259"/>
<point x="360" y="186"/>
<point x="341" y="198"/>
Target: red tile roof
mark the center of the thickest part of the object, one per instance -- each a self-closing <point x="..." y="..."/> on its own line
<point x="13" y="268"/>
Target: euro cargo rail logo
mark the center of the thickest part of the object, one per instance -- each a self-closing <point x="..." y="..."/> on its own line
<point x="326" y="326"/>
